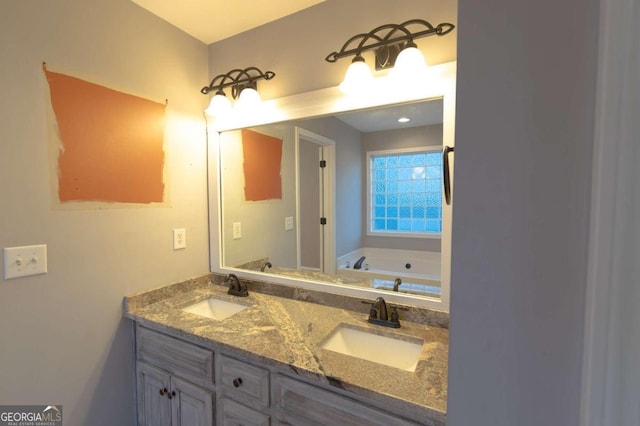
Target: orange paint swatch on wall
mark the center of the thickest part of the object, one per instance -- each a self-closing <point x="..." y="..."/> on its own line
<point x="262" y="158"/>
<point x="112" y="143"/>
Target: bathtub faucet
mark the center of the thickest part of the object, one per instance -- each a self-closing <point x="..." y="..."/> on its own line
<point x="265" y="265"/>
<point x="396" y="284"/>
<point x="358" y="264"/>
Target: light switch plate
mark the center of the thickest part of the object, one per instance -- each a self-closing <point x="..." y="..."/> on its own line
<point x="179" y="238"/>
<point x="24" y="261"/>
<point x="237" y="230"/>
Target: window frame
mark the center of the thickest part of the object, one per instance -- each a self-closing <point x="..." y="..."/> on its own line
<point x="369" y="211"/>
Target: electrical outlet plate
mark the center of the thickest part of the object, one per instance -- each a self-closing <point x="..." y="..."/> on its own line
<point x="288" y="223"/>
<point x="179" y="238"/>
<point x="24" y="261"/>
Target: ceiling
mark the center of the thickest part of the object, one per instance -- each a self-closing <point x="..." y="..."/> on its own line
<point x="372" y="120"/>
<point x="213" y="20"/>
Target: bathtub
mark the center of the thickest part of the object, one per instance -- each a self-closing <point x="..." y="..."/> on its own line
<point x="418" y="270"/>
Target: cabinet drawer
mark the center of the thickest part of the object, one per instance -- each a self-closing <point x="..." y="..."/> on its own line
<point x="301" y="404"/>
<point x="244" y="382"/>
<point x="179" y="357"/>
<point x="234" y="414"/>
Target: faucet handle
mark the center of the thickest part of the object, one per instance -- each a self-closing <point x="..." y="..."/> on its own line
<point x="394" y="315"/>
<point x="373" y="312"/>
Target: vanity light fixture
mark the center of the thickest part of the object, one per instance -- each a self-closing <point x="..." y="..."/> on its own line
<point x="243" y="84"/>
<point x="394" y="48"/>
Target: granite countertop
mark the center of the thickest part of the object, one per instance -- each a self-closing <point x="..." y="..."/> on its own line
<point x="287" y="334"/>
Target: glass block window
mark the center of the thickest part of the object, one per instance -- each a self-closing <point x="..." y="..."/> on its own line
<point x="405" y="192"/>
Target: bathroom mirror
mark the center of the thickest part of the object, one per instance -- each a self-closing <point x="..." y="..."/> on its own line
<point x="277" y="215"/>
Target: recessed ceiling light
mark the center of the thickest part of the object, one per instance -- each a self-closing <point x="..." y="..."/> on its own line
<point x="404" y="120"/>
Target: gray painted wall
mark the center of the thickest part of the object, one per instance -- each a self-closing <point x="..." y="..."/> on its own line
<point x="524" y="130"/>
<point x="262" y="222"/>
<point x="295" y="46"/>
<point x="63" y="337"/>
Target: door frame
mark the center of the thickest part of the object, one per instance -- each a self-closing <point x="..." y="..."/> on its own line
<point x="610" y="377"/>
<point x="328" y="249"/>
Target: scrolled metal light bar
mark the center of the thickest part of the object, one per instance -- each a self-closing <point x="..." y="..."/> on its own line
<point x="379" y="39"/>
<point x="237" y="79"/>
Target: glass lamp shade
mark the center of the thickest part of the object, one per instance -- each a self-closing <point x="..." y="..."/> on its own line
<point x="358" y="78"/>
<point x="410" y="64"/>
<point x="219" y="106"/>
<point x="249" y="100"/>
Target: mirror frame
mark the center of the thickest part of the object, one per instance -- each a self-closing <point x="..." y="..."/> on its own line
<point x="319" y="103"/>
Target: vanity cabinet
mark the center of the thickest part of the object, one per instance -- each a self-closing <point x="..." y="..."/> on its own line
<point x="174" y="381"/>
<point x="179" y="383"/>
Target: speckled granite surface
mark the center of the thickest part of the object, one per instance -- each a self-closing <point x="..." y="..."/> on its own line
<point x="287" y="334"/>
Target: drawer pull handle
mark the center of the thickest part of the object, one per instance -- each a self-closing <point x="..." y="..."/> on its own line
<point x="171" y="395"/>
<point x="163" y="391"/>
<point x="237" y="382"/>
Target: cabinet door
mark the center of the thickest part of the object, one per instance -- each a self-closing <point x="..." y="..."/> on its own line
<point x="154" y="408"/>
<point x="191" y="405"/>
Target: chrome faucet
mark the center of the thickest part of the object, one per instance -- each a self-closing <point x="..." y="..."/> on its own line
<point x="236" y="287"/>
<point x="378" y="314"/>
<point x="265" y="265"/>
<point x="396" y="284"/>
<point x="358" y="264"/>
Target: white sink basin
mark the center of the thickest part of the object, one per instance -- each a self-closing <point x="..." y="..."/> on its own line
<point x="215" y="308"/>
<point x="394" y="352"/>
